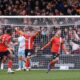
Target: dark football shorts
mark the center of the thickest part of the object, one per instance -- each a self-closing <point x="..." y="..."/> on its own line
<point x="28" y="52"/>
<point x="2" y="54"/>
<point x="55" y="55"/>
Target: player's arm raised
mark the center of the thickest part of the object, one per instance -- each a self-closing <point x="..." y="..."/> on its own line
<point x="37" y="31"/>
<point x="65" y="49"/>
<point x="0" y="38"/>
<point x="16" y="43"/>
<point x="19" y="31"/>
<point x="48" y="44"/>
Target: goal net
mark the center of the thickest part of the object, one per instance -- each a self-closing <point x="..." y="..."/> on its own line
<point x="70" y="32"/>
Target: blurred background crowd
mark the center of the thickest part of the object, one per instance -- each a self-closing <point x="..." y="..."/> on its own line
<point x="39" y="7"/>
<point x="70" y="28"/>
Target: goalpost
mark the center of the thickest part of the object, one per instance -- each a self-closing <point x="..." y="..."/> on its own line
<point x="48" y="26"/>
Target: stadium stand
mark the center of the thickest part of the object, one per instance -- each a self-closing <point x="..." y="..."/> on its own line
<point x="40" y="7"/>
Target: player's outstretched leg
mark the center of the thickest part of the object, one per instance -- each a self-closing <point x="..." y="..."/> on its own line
<point x="3" y="60"/>
<point x="10" y="63"/>
<point x="19" y="63"/>
<point x="52" y="62"/>
<point x="2" y="66"/>
<point x="10" y="67"/>
<point x="49" y="67"/>
<point x="28" y="64"/>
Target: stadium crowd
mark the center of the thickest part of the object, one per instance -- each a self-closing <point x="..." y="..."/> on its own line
<point x="40" y="7"/>
<point x="71" y="34"/>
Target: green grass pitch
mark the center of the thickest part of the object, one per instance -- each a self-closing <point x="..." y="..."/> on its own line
<point x="41" y="75"/>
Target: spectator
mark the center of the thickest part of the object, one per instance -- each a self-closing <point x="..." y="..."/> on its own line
<point x="68" y="32"/>
<point x="75" y="48"/>
<point x="40" y="7"/>
<point x="44" y="34"/>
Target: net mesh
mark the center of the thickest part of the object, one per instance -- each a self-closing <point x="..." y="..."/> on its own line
<point x="70" y="28"/>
